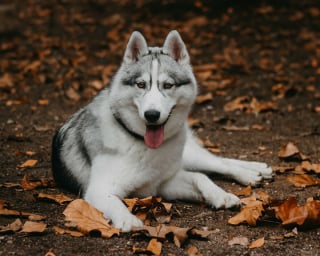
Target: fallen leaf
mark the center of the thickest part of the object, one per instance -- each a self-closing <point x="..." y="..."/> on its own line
<point x="244" y="103"/>
<point x="33" y="227"/>
<point x="306" y="216"/>
<point x="88" y="219"/>
<point x="28" y="163"/>
<point x="176" y="234"/>
<point x="194" y="122"/>
<point x="154" y="247"/>
<point x="257" y="243"/>
<point x="204" y="98"/>
<point x="244" y="192"/>
<point x="290" y="152"/>
<point x="60" y="198"/>
<point x="62" y="231"/>
<point x="150" y="206"/>
<point x="309" y="167"/>
<point x="282" y="169"/>
<point x="235" y="128"/>
<point x="43" y="102"/>
<point x="193" y="251"/>
<point x="26" y="184"/>
<point x="249" y="214"/>
<point x="72" y="94"/>
<point x="239" y="240"/>
<point x="12" y="227"/>
<point x="303" y="180"/>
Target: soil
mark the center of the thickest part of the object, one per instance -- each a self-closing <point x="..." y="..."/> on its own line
<point x="63" y="51"/>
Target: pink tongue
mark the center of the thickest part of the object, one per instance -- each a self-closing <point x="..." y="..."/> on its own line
<point x="154" y="136"/>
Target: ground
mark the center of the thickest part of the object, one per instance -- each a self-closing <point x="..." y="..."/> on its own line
<point x="63" y="52"/>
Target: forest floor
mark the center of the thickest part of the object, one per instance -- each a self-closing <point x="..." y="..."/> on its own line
<point x="64" y="52"/>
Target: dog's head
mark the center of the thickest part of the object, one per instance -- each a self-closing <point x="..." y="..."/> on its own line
<point x="154" y="89"/>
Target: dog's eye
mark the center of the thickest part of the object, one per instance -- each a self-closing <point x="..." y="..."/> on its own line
<point x="167" y="85"/>
<point x="141" y="85"/>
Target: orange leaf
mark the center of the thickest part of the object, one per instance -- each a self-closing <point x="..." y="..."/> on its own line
<point x="244" y="192"/>
<point x="154" y="247"/>
<point x="34" y="227"/>
<point x="61" y="231"/>
<point x="60" y="198"/>
<point x="307" y="215"/>
<point x="28" y="163"/>
<point x="88" y="219"/>
<point x="303" y="180"/>
<point x="257" y="243"/>
<point x="250" y="214"/>
<point x="204" y="98"/>
<point x="12" y="227"/>
<point x="288" y="151"/>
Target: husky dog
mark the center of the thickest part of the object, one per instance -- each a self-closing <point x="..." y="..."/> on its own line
<point x="133" y="138"/>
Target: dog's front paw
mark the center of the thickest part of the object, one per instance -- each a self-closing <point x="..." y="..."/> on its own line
<point x="126" y="222"/>
<point x="253" y="173"/>
<point x="222" y="200"/>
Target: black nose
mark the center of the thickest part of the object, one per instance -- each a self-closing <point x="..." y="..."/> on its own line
<point x="152" y="116"/>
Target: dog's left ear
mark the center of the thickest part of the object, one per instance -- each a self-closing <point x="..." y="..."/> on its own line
<point x="136" y="47"/>
<point x="175" y="47"/>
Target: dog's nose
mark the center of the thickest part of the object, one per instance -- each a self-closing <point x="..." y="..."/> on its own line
<point x="152" y="116"/>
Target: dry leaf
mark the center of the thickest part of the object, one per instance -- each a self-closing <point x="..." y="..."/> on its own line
<point x="34" y="227"/>
<point x="150" y="206"/>
<point x="309" y="167"/>
<point x="282" y="169"/>
<point x="88" y="219"/>
<point x="257" y="243"/>
<point x="244" y="192"/>
<point x="176" y="234"/>
<point x="249" y="213"/>
<point x="239" y="240"/>
<point x="60" y="198"/>
<point x="28" y="163"/>
<point x="26" y="184"/>
<point x="306" y="216"/>
<point x="244" y="103"/>
<point x="204" y="98"/>
<point x="62" y="231"/>
<point x="154" y="247"/>
<point x="193" y="251"/>
<point x="235" y="128"/>
<point x="43" y="102"/>
<point x="194" y="122"/>
<point x="12" y="227"/>
<point x="288" y="151"/>
<point x="303" y="180"/>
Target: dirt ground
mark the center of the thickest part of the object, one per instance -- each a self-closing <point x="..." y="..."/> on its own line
<point x="63" y="52"/>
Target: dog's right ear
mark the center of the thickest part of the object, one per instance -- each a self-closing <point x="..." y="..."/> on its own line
<point x="136" y="47"/>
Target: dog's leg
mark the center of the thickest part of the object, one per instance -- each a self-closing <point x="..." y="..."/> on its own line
<point x="104" y="193"/>
<point x="197" y="187"/>
<point x="196" y="158"/>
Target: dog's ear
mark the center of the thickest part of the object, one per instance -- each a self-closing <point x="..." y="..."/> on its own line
<point x="175" y="47"/>
<point x="136" y="47"/>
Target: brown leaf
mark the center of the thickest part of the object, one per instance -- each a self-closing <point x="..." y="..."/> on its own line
<point x="257" y="243"/>
<point x="249" y="213"/>
<point x="150" y="206"/>
<point x="307" y="215"/>
<point x="28" y="163"/>
<point x="60" y="198"/>
<point x="194" y="122"/>
<point x="244" y="103"/>
<point x="204" y="98"/>
<point x="177" y="234"/>
<point x="62" y="231"/>
<point x="309" y="167"/>
<point x="244" y="192"/>
<point x="193" y="251"/>
<point x="288" y="151"/>
<point x="88" y="219"/>
<point x="34" y="227"/>
<point x="26" y="184"/>
<point x="154" y="247"/>
<point x="282" y="169"/>
<point x="303" y="180"/>
<point x="12" y="227"/>
<point x="72" y="94"/>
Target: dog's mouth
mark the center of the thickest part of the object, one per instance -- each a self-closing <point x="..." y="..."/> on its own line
<point x="154" y="136"/>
